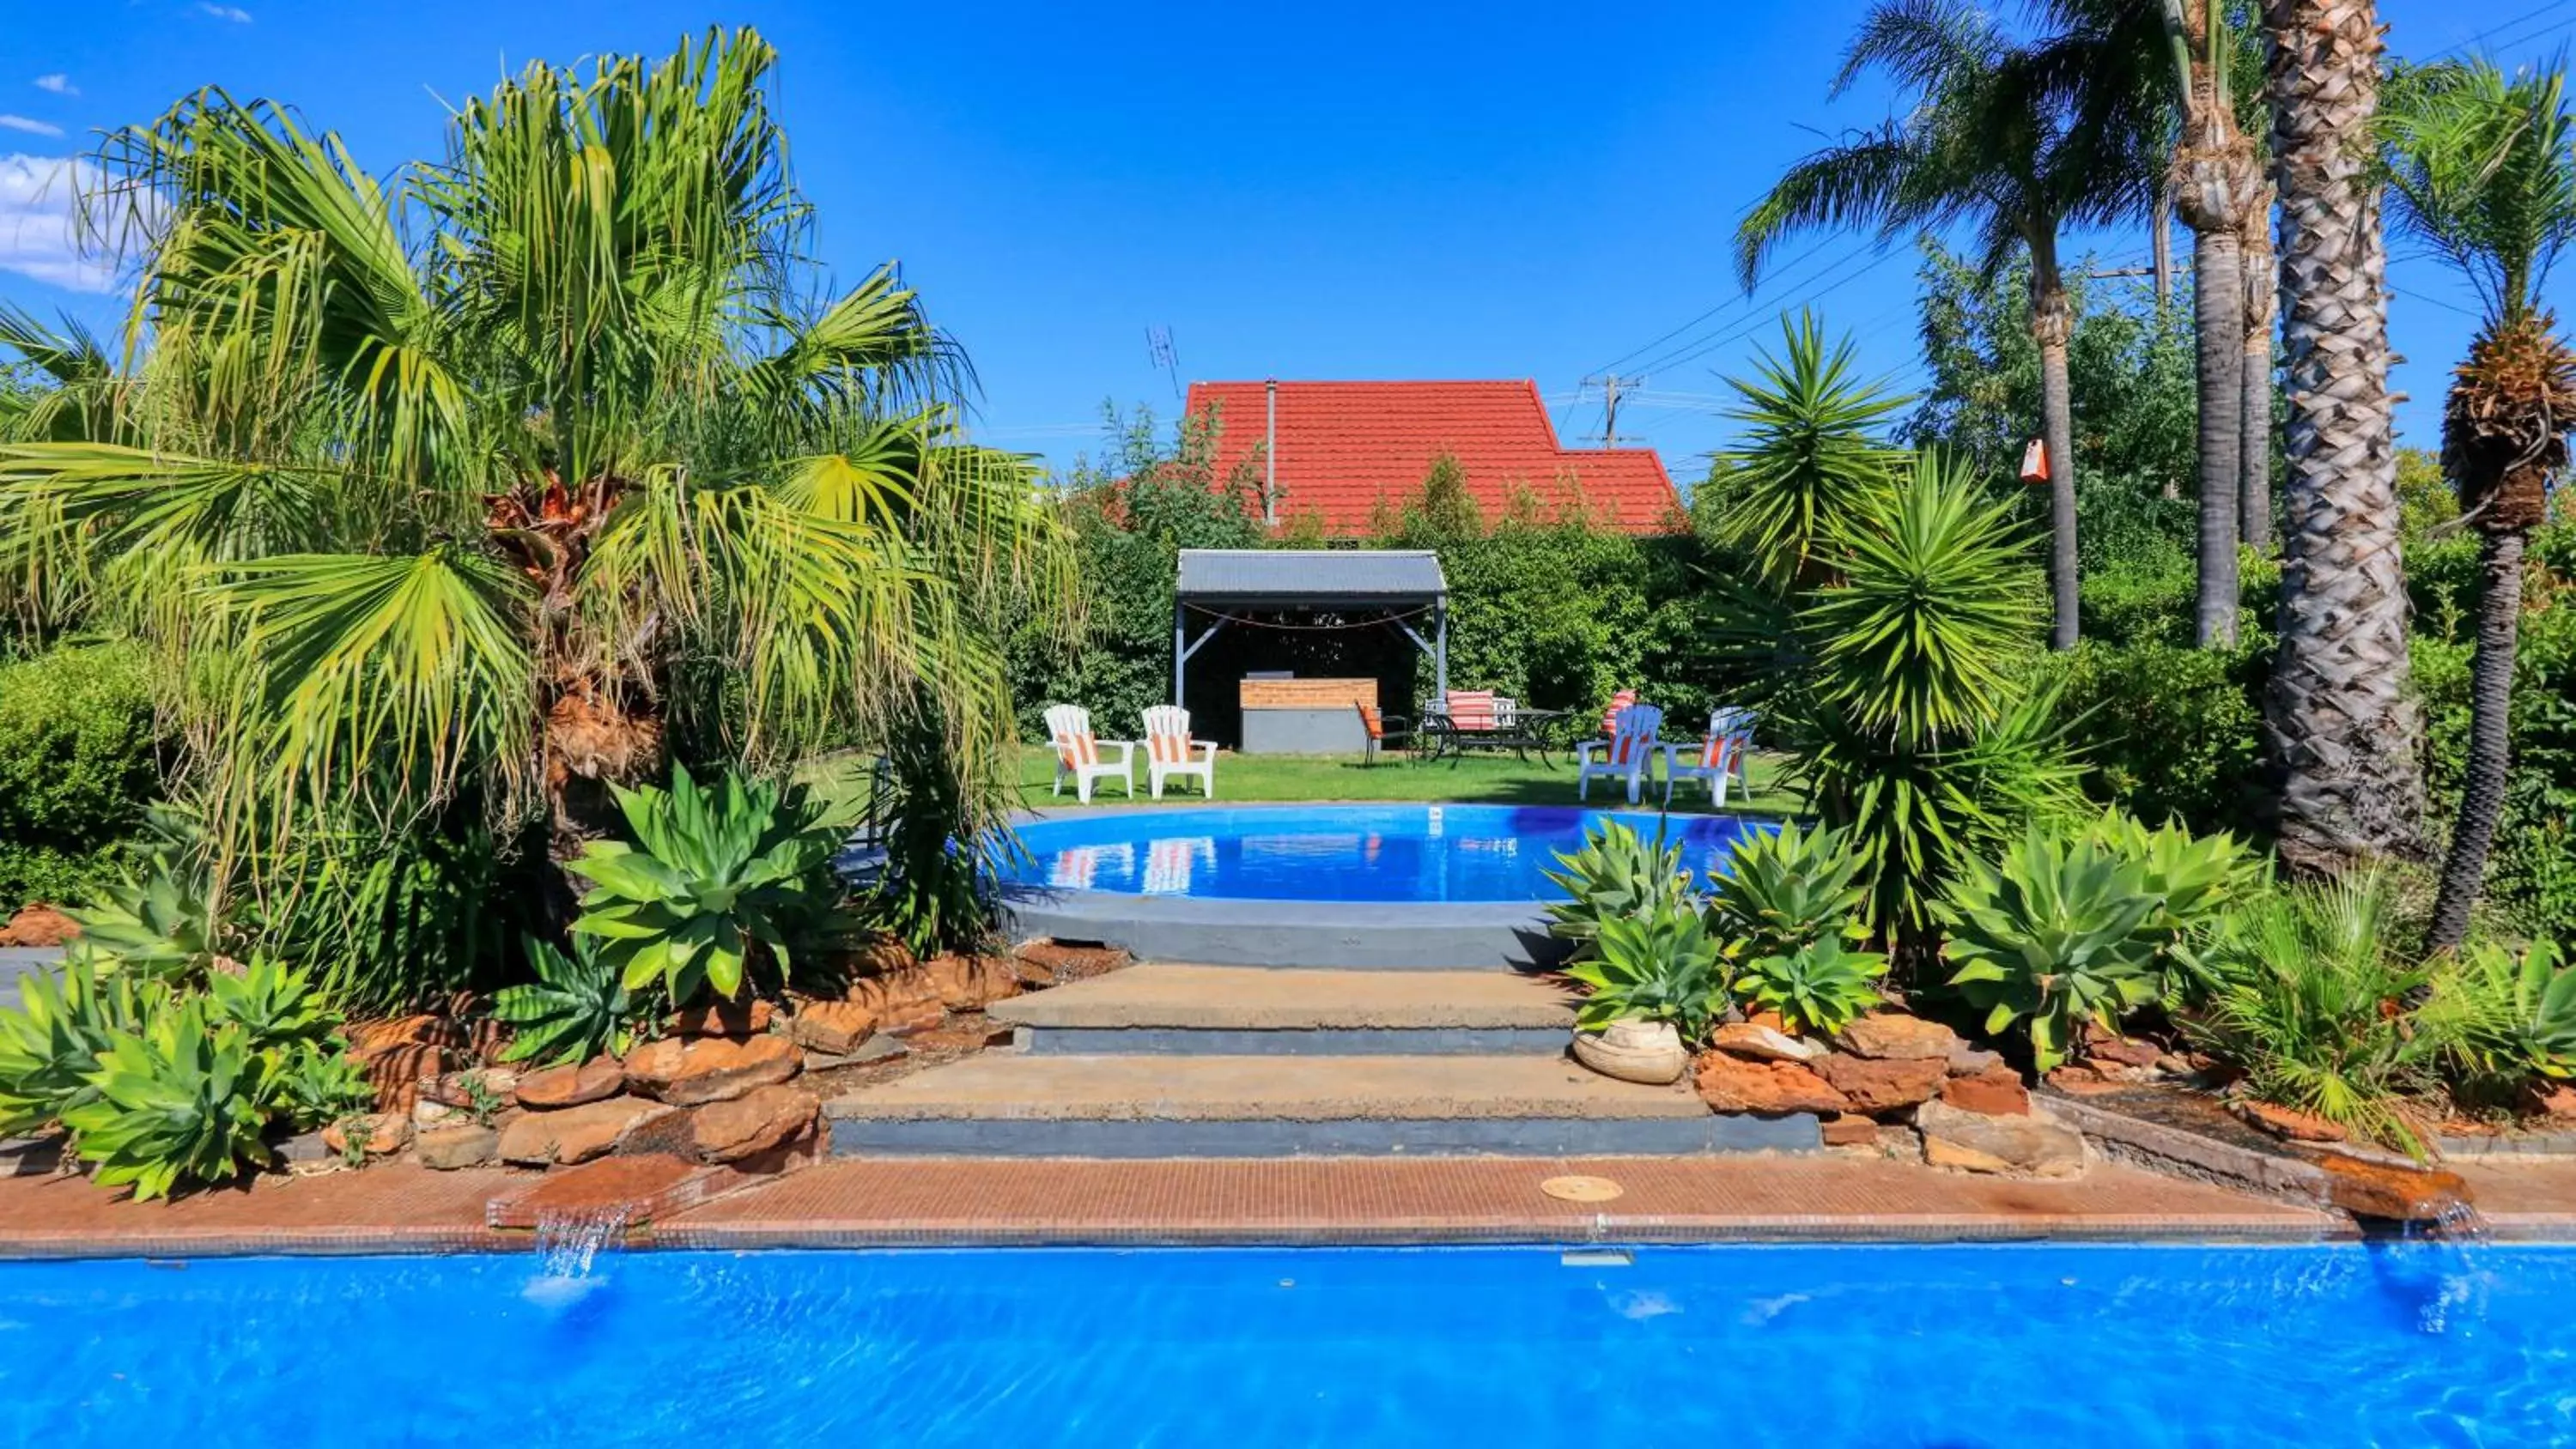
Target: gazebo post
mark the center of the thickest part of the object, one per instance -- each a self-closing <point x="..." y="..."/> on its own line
<point x="1180" y="656"/>
<point x="1440" y="653"/>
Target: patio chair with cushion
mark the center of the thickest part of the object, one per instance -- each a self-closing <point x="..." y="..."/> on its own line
<point x="1078" y="753"/>
<point x="1170" y="751"/>
<point x="1381" y="732"/>
<point x="1715" y="760"/>
<point x="1630" y="751"/>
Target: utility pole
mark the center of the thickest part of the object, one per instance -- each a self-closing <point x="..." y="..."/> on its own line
<point x="1612" y="385"/>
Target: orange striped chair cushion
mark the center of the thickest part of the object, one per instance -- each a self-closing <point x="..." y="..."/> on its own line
<point x="1624" y="748"/>
<point x="1168" y="749"/>
<point x="1077" y="751"/>
<point x="1618" y="702"/>
<point x="1471" y="709"/>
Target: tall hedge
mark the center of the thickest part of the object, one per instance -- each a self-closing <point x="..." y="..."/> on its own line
<point x="78" y="763"/>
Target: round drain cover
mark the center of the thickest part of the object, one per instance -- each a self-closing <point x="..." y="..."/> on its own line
<point x="1581" y="1189"/>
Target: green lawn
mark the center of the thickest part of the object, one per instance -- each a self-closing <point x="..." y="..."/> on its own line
<point x="1481" y="779"/>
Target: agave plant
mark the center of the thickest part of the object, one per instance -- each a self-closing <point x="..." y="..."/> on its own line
<point x="1817" y="988"/>
<point x="577" y="1008"/>
<point x="178" y="1099"/>
<point x="2512" y="1015"/>
<point x="2194" y="879"/>
<point x="157" y="925"/>
<point x="714" y="871"/>
<point x="1782" y="889"/>
<point x="1615" y="875"/>
<point x="273" y="1004"/>
<point x="315" y="1084"/>
<point x="1654" y="965"/>
<point x="2061" y="933"/>
<point x="49" y="1046"/>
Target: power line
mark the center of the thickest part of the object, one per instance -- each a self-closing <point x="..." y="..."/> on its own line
<point x="1747" y="328"/>
<point x="2502" y="26"/>
<point x="1745" y="299"/>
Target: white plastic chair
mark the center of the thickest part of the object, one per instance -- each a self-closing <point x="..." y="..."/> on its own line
<point x="1629" y="751"/>
<point x="1078" y="753"/>
<point x="1717" y="759"/>
<point x="1170" y="751"/>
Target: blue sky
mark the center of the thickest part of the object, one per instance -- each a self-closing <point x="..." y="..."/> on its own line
<point x="1313" y="190"/>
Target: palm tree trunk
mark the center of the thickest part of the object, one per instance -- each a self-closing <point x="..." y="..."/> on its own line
<point x="2490" y="739"/>
<point x="2051" y="325"/>
<point x="2340" y="725"/>
<point x="2262" y="299"/>
<point x="2218" y="305"/>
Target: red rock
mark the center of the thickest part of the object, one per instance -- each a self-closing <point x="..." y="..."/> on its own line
<point x="1850" y="1130"/>
<point x="904" y="1003"/>
<point x="39" y="925"/>
<point x="2080" y="1081"/>
<point x="967" y="983"/>
<point x="385" y="1133"/>
<point x="2286" y="1122"/>
<point x="2397" y="1192"/>
<point x="1051" y="963"/>
<point x="1771" y="1019"/>
<point x="2032" y="1144"/>
<point x="883" y="958"/>
<point x="445" y="1149"/>
<point x="753" y="1123"/>
<point x="555" y="1088"/>
<point x="1883" y="1084"/>
<point x="833" y="1027"/>
<point x="723" y="1016"/>
<point x="452" y="1089"/>
<point x="1895" y="1036"/>
<point x="1729" y="1083"/>
<point x="2558" y="1104"/>
<point x="687" y="1071"/>
<point x="2125" y="1052"/>
<point x="1761" y="1043"/>
<point x="1997" y="1091"/>
<point x="577" y="1134"/>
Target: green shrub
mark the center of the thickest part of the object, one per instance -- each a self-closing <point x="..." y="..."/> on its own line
<point x="715" y="872"/>
<point x="1817" y="989"/>
<point x="576" y="1009"/>
<point x="2171" y="732"/>
<point x="78" y="764"/>
<point x="1655" y="965"/>
<point x="2512" y="1014"/>
<point x="1785" y="888"/>
<point x="1614" y="876"/>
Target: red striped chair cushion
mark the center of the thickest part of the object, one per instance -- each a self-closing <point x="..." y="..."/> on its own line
<point x="1618" y="702"/>
<point x="1471" y="709"/>
<point x="1168" y="749"/>
<point x="1077" y="751"/>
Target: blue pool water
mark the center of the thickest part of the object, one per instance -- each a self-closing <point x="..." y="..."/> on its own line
<point x="2110" y="1347"/>
<point x="1340" y="852"/>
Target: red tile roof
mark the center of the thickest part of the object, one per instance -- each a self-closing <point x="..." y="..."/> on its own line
<point x="1344" y="446"/>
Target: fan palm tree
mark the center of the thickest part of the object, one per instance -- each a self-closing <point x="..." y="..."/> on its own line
<point x="2191" y="55"/>
<point x="1984" y="145"/>
<point x="2483" y="169"/>
<point x="2343" y="731"/>
<point x="500" y="478"/>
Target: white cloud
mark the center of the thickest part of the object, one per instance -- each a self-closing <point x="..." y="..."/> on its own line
<point x="32" y="128"/>
<point x="233" y="13"/>
<point x="59" y="83"/>
<point x="39" y="236"/>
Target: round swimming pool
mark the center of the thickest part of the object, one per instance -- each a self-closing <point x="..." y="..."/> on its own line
<point x="1341" y="853"/>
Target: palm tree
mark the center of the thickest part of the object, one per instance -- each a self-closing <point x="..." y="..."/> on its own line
<point x="2262" y="312"/>
<point x="2341" y="727"/>
<point x="1985" y="145"/>
<point x="2191" y="55"/>
<point x="502" y="478"/>
<point x="2483" y="170"/>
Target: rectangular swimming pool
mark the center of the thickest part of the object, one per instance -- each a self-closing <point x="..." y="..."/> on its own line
<point x="2110" y="1347"/>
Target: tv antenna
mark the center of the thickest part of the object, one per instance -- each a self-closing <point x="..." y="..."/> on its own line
<point x="1158" y="346"/>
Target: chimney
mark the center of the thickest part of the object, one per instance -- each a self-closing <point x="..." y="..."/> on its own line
<point x="1270" y="456"/>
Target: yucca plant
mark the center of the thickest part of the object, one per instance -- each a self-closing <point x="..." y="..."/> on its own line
<point x="578" y="1008"/>
<point x="714" y="872"/>
<point x="1810" y="457"/>
<point x="1616" y="874"/>
<point x="179" y="1099"/>
<point x="1653" y="965"/>
<point x="1817" y="988"/>
<point x="1783" y="888"/>
<point x="2061" y="934"/>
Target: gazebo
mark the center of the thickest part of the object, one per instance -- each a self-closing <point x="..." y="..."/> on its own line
<point x="1308" y="590"/>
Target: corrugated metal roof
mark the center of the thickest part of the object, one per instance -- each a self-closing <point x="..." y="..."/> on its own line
<point x="1318" y="576"/>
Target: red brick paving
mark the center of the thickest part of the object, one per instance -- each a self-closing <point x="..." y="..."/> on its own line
<point x="392" y="1207"/>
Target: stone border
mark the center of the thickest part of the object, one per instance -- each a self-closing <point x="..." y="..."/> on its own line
<point x="1332" y="1041"/>
<point x="2180" y="1153"/>
<point x="1273" y="1137"/>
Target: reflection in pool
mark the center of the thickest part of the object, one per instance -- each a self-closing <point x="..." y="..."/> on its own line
<point x="1340" y="852"/>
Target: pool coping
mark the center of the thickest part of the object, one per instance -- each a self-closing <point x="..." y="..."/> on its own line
<point x="1212" y="931"/>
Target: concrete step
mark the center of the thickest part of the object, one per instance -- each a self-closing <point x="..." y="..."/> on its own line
<point x="1014" y="1104"/>
<point x="1257" y="1011"/>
